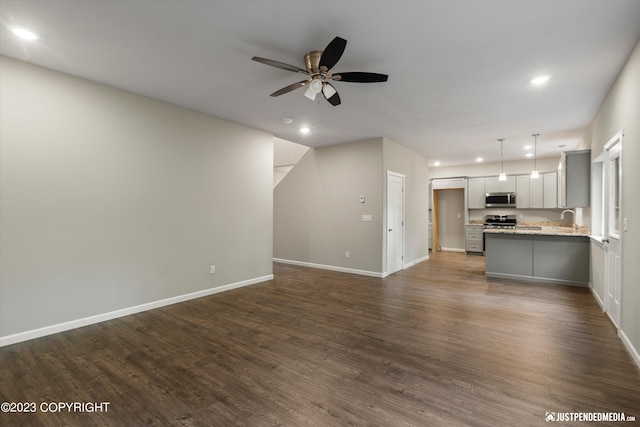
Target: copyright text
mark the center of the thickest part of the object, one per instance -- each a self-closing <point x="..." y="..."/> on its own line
<point x="26" y="407"/>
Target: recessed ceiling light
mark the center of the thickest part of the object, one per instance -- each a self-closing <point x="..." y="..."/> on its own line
<point x="304" y="130"/>
<point x="24" y="33"/>
<point x="528" y="147"/>
<point x="529" y="155"/>
<point x="436" y="163"/>
<point x="479" y="159"/>
<point x="540" y="80"/>
<point x="287" y="120"/>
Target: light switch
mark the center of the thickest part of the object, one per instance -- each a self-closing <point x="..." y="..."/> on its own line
<point x="362" y="198"/>
<point x="367" y="218"/>
<point x="625" y="224"/>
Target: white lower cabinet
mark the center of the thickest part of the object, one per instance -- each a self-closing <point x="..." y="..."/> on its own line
<point x="474" y="239"/>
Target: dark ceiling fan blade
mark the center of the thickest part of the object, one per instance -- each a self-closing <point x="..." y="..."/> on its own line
<point x="332" y="53"/>
<point x="290" y="88"/>
<point x="281" y="65"/>
<point x="333" y="99"/>
<point x="359" y="77"/>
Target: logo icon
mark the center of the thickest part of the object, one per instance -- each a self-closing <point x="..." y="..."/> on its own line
<point x="550" y="416"/>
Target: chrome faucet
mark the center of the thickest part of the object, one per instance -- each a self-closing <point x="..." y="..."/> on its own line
<point x="568" y="210"/>
<point x="573" y="223"/>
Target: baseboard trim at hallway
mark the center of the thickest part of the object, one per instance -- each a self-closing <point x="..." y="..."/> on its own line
<point x="85" y="321"/>
<point x="630" y="348"/>
<point x="596" y="296"/>
<point x="418" y="261"/>
<point x="331" y="267"/>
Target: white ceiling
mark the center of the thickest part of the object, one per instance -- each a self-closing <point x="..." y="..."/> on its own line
<point x="458" y="71"/>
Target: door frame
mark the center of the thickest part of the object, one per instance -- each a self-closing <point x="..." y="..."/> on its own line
<point x="387" y="225"/>
<point x="613" y="241"/>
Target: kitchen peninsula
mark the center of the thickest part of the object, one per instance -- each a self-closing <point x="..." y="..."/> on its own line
<point x="549" y="254"/>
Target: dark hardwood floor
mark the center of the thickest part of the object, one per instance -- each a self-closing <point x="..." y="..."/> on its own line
<point x="435" y="345"/>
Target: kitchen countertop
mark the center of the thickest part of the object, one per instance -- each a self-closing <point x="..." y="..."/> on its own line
<point x="546" y="231"/>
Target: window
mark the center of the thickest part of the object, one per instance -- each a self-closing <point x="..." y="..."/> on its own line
<point x="597" y="196"/>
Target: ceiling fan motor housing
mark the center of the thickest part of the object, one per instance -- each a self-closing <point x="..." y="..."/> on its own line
<point x="312" y="61"/>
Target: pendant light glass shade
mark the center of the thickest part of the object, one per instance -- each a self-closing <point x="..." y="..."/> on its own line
<point x="561" y="153"/>
<point x="502" y="176"/>
<point x="534" y="173"/>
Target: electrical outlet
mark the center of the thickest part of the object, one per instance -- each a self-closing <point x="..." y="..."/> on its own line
<point x="346" y="254"/>
<point x="213" y="269"/>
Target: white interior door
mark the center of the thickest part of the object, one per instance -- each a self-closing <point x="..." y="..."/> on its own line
<point x="613" y="265"/>
<point x="395" y="222"/>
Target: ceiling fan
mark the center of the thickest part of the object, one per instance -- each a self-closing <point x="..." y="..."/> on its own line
<point x="319" y="69"/>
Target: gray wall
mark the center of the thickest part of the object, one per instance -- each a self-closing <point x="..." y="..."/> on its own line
<point x="111" y="200"/>
<point x="317" y="209"/>
<point x="621" y="110"/>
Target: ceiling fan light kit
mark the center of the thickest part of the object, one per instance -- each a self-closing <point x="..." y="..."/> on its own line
<point x="319" y="65"/>
<point x="314" y="88"/>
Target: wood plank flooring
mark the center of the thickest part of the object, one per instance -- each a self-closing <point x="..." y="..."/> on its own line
<point x="434" y="345"/>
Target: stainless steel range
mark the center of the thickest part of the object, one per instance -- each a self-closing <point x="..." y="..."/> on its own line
<point x="500" y="221"/>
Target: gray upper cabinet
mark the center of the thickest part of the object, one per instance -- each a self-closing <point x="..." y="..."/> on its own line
<point x="574" y="183"/>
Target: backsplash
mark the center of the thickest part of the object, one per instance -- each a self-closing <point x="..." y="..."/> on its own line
<point x="550" y="217"/>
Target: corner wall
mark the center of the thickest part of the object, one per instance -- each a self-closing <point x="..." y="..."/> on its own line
<point x="318" y="215"/>
<point x="415" y="168"/>
<point x="111" y="200"/>
<point x="317" y="209"/>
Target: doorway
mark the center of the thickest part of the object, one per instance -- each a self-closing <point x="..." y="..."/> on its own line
<point x="448" y="220"/>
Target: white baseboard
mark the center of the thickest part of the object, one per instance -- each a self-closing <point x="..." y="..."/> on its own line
<point x="632" y="350"/>
<point x="596" y="297"/>
<point x="73" y="324"/>
<point x="418" y="261"/>
<point x="331" y="267"/>
<point x="452" y="250"/>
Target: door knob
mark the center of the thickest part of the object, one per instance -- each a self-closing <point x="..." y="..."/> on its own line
<point x="605" y="241"/>
<point x="390" y="230"/>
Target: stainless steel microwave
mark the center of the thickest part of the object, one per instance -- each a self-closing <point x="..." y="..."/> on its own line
<point x="500" y="200"/>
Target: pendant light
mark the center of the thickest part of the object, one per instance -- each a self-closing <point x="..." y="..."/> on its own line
<point x="503" y="176"/>
<point x="561" y="147"/>
<point x="534" y="173"/>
